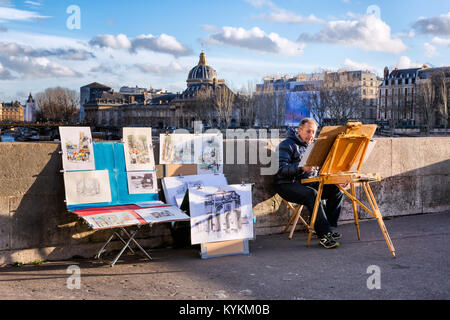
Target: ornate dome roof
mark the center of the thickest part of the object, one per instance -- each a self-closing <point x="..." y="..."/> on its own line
<point x="201" y="72"/>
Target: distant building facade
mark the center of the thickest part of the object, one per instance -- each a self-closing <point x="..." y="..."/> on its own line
<point x="398" y="94"/>
<point x="11" y="112"/>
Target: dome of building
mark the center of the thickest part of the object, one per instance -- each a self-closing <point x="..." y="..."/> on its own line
<point x="201" y="72"/>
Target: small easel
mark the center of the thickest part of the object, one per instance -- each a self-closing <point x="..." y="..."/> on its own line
<point x="348" y="149"/>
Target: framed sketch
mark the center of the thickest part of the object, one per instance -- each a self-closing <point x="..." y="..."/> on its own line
<point x="175" y="187"/>
<point x="176" y="149"/>
<point x="221" y="213"/>
<point x="77" y="149"/>
<point x="209" y="153"/>
<point x="142" y="182"/>
<point x="138" y="149"/>
<point x="162" y="213"/>
<point x="111" y="219"/>
<point x="87" y="187"/>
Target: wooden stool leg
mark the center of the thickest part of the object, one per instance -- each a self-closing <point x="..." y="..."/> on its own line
<point x="355" y="211"/>
<point x="292" y="216"/>
<point x="297" y="216"/>
<point x="314" y="214"/>
<point x="379" y="217"/>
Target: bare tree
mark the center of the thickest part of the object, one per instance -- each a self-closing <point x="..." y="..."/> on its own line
<point x="58" y="105"/>
<point x="439" y="82"/>
<point x="223" y="101"/>
<point x="424" y="101"/>
<point x="270" y="107"/>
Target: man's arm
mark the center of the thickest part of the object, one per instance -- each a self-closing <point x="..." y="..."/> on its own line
<point x="286" y="168"/>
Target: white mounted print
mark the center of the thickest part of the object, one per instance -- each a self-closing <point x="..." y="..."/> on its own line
<point x="111" y="219"/>
<point x="176" y="149"/>
<point x="87" y="187"/>
<point x="162" y="213"/>
<point x="221" y="213"/>
<point x="138" y="149"/>
<point x="209" y="153"/>
<point x="175" y="187"/>
<point x="142" y="182"/>
<point x="77" y="149"/>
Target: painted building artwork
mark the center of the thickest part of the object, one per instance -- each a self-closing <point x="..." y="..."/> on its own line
<point x="176" y="149"/>
<point x="221" y="213"/>
<point x="175" y="187"/>
<point x="76" y="145"/>
<point x="83" y="187"/>
<point x="138" y="149"/>
<point x="142" y="182"/>
<point x="111" y="219"/>
<point x="162" y="213"/>
<point x="210" y="156"/>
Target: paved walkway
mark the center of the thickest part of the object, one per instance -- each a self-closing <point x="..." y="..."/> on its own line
<point x="277" y="268"/>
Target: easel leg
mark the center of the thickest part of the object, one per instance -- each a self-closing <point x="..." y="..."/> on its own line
<point x="314" y="214"/>
<point x="379" y="217"/>
<point x="355" y="211"/>
<point x="124" y="247"/>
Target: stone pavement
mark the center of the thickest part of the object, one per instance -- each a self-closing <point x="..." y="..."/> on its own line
<point x="276" y="269"/>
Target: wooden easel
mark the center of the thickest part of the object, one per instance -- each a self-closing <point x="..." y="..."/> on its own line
<point x="348" y="150"/>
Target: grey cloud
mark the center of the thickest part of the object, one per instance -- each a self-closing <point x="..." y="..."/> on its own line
<point x="14" y="49"/>
<point x="439" y="25"/>
<point x="3" y="29"/>
<point x="35" y="68"/>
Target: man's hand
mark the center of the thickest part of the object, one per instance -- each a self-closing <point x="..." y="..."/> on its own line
<point x="308" y="169"/>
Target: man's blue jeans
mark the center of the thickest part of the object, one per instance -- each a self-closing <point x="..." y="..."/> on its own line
<point x="305" y="194"/>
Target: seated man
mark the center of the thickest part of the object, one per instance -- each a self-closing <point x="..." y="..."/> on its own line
<point x="289" y="186"/>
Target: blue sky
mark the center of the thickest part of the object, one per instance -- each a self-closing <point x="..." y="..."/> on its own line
<point x="156" y="43"/>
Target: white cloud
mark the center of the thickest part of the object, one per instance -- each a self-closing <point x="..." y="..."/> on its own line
<point x="285" y="16"/>
<point x="15" y="49"/>
<point x="439" y="25"/>
<point x="173" y="67"/>
<point x="430" y="50"/>
<point x="353" y="65"/>
<point x="163" y="43"/>
<point x="440" y="41"/>
<point x="5" y="74"/>
<point x="12" y="14"/>
<point x="40" y="67"/>
<point x="120" y="41"/>
<point x="255" y="39"/>
<point x="368" y="33"/>
<point x="405" y="63"/>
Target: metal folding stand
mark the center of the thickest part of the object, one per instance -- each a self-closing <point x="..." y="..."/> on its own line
<point x="126" y="244"/>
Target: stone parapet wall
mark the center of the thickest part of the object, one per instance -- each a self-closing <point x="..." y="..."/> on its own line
<point x="35" y="225"/>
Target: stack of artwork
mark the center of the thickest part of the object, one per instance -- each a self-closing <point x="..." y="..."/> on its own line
<point x="139" y="160"/>
<point x="82" y="183"/>
<point x="205" y="150"/>
<point x="105" y="189"/>
<point x="117" y="186"/>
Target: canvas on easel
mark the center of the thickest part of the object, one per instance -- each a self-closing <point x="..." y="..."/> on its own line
<point x="336" y="152"/>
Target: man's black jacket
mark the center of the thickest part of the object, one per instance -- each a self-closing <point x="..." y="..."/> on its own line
<point x="290" y="152"/>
